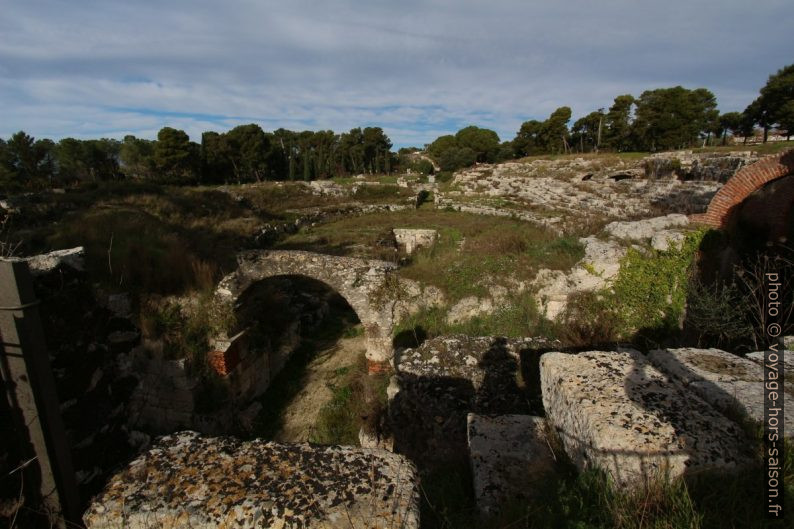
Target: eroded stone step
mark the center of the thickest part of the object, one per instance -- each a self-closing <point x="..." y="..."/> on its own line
<point x="187" y="480"/>
<point x="723" y="379"/>
<point x="618" y="412"/>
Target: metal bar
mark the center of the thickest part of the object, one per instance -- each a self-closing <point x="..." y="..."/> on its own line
<point x="30" y="389"/>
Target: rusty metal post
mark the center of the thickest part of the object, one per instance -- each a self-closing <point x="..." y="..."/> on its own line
<point x="30" y="389"/>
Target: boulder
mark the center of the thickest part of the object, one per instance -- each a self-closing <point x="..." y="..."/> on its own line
<point x="614" y="410"/>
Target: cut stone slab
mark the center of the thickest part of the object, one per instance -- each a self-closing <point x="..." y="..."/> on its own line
<point x="615" y="411"/>
<point x="723" y="379"/>
<point x="509" y="458"/>
<point x="187" y="480"/>
<point x="439" y="383"/>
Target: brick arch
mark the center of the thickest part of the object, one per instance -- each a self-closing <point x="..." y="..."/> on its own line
<point x="747" y="180"/>
<point x="360" y="281"/>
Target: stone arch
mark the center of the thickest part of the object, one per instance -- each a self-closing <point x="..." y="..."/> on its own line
<point x="741" y="185"/>
<point x="361" y="282"/>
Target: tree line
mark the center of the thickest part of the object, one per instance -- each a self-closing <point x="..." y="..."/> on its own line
<point x="243" y="154"/>
<point x="660" y="119"/>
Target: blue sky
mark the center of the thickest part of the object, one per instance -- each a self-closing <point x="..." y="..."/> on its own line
<point x="417" y="69"/>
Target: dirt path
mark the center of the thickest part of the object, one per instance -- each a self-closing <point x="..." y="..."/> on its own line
<point x="301" y="413"/>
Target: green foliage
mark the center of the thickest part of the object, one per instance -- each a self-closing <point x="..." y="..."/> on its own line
<point x="359" y="400"/>
<point x="717" y="313"/>
<point x="590" y="318"/>
<point x="175" y="157"/>
<point x="651" y="287"/>
<point x="468" y="146"/>
<point x="518" y="316"/>
<point x="672" y="118"/>
<point x="546" y="137"/>
<point x="617" y="131"/>
<point x="774" y="104"/>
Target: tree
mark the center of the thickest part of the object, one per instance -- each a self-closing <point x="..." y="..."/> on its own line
<point x="785" y="118"/>
<point x="526" y="142"/>
<point x="584" y="132"/>
<point x="554" y="133"/>
<point x="136" y="158"/>
<point x="246" y="148"/>
<point x="457" y="157"/>
<point x="773" y="105"/>
<point x="617" y="123"/>
<point x="672" y="118"/>
<point x="730" y="121"/>
<point x="483" y="142"/>
<point x="174" y="156"/>
<point x="440" y="145"/>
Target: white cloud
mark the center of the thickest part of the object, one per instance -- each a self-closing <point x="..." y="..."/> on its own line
<point x="417" y="69"/>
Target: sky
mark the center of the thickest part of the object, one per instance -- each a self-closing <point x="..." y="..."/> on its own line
<point x="89" y="69"/>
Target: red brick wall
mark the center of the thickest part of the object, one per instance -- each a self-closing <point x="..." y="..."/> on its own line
<point x="742" y="184"/>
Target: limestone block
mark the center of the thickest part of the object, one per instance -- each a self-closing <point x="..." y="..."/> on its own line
<point x="616" y="411"/>
<point x="411" y="239"/>
<point x="187" y="480"/>
<point x="510" y="456"/>
<point x="723" y="379"/>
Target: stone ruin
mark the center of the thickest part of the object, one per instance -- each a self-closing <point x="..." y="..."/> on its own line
<point x="186" y="480"/>
<point x="411" y="239"/>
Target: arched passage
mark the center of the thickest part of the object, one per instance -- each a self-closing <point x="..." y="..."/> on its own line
<point x="741" y="185"/>
<point x="362" y="283"/>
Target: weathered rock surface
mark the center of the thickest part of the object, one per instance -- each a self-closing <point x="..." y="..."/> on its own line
<point x="723" y="379"/>
<point x="440" y="382"/>
<point x="561" y="194"/>
<point x="595" y="271"/>
<point x="510" y="457"/>
<point x="645" y="229"/>
<point x="187" y="480"/>
<point x="469" y="307"/>
<point x="48" y="262"/>
<point x="686" y="165"/>
<point x="787" y="357"/>
<point x="411" y="239"/>
<point x="616" y="411"/>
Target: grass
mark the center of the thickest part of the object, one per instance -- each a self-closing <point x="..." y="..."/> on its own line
<point x="518" y="317"/>
<point x="569" y="499"/>
<point x="359" y="400"/>
<point x="471" y="250"/>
